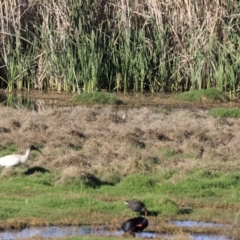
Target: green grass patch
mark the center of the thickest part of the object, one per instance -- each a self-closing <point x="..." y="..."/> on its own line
<point x="169" y="153"/>
<point x="160" y="110"/>
<point x="75" y="147"/>
<point x="168" y="206"/>
<point x="225" y="112"/>
<point x="7" y="150"/>
<point x="97" y="98"/>
<point x="199" y="95"/>
<point x="40" y="196"/>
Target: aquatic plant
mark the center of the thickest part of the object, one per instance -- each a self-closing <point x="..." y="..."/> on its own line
<point x="119" y="46"/>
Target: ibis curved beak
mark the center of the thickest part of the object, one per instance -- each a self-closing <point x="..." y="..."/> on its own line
<point x="36" y="149"/>
<point x="39" y="151"/>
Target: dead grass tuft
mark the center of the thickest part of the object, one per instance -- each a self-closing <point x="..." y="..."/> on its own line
<point x="72" y="172"/>
<point x="86" y="139"/>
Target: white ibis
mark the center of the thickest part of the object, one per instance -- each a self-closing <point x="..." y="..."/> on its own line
<point x="136" y="206"/>
<point x="17" y="159"/>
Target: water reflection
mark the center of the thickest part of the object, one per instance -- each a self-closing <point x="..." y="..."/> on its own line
<point x="16" y="101"/>
<point x="57" y="232"/>
<point x="37" y="102"/>
<point x="212" y="237"/>
<point x="190" y="223"/>
<point x="45" y="232"/>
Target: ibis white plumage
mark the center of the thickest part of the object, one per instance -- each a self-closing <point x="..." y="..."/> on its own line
<point x="17" y="159"/>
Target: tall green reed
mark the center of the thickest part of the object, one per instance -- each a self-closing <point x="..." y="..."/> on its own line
<point x="18" y="65"/>
<point x="86" y="46"/>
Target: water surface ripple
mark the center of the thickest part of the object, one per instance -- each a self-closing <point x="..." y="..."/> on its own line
<point x="57" y="232"/>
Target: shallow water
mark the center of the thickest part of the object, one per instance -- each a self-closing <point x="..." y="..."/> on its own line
<point x="23" y="101"/>
<point x="56" y="232"/>
<point x="201" y="224"/>
<point x="15" y="101"/>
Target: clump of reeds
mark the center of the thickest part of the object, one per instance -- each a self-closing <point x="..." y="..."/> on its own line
<point x="85" y="46"/>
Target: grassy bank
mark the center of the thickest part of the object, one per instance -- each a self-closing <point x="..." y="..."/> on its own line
<point x="37" y="200"/>
<point x="182" y="163"/>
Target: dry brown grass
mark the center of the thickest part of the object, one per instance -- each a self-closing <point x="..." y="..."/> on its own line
<point x="89" y="139"/>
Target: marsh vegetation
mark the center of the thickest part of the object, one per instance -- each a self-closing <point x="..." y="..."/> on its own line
<point x="180" y="156"/>
<point x="87" y="46"/>
<point x="183" y="163"/>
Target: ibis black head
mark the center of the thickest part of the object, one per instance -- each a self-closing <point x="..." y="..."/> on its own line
<point x="32" y="147"/>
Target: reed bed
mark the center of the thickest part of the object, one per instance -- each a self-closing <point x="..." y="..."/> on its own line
<point x="139" y="45"/>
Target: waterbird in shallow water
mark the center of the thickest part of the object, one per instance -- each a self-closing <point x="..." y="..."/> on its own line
<point x="136" y="206"/>
<point x="17" y="159"/>
<point x="133" y="225"/>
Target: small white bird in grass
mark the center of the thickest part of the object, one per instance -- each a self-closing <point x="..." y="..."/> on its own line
<point x="17" y="159"/>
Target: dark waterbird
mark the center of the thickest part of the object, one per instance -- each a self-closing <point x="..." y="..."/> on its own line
<point x="134" y="225"/>
<point x="136" y="206"/>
